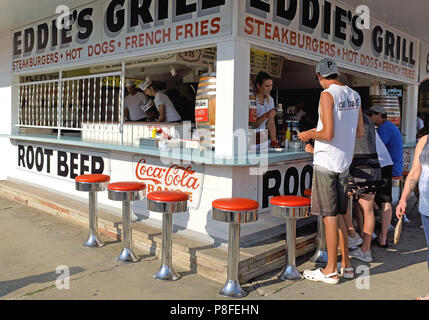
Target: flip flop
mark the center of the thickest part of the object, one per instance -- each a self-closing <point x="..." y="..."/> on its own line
<point x="318" y="275"/>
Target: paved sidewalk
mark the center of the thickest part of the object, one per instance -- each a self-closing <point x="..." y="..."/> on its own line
<point x="35" y="243"/>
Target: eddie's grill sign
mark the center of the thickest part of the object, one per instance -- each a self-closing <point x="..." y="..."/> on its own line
<point x="108" y="27"/>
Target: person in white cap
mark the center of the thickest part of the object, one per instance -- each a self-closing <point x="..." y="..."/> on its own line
<point x="166" y="109"/>
<point x="134" y="102"/>
<point x="340" y="123"/>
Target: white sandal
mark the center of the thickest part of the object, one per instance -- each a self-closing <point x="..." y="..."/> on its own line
<point x="318" y="275"/>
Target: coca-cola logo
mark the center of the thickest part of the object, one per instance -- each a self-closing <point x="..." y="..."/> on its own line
<point x="174" y="176"/>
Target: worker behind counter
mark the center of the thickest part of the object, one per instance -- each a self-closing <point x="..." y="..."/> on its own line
<point x="265" y="111"/>
<point x="166" y="109"/>
<point x="135" y="103"/>
<point x="297" y="113"/>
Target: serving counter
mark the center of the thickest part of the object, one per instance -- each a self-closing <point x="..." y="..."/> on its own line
<point x="201" y="173"/>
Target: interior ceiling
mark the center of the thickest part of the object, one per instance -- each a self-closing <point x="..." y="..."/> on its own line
<point x="409" y="16"/>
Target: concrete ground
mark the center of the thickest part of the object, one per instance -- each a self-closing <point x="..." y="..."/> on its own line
<point x="34" y="244"/>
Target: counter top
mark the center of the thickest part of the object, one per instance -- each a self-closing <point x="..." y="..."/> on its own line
<point x="192" y="155"/>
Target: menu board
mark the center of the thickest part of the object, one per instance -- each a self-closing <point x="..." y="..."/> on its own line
<point x="267" y="62"/>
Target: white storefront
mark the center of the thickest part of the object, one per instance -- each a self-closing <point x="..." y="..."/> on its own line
<point x="106" y="33"/>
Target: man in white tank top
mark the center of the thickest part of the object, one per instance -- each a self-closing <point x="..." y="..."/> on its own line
<point x="340" y="122"/>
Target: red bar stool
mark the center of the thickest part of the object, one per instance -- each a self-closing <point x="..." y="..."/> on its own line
<point x="167" y="202"/>
<point x="399" y="182"/>
<point x="127" y="192"/>
<point x="235" y="211"/>
<point x="291" y="208"/>
<point x="321" y="255"/>
<point x="92" y="183"/>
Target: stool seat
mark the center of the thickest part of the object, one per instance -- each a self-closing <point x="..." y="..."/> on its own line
<point x="235" y="210"/>
<point x="168" y="196"/>
<point x="126" y="191"/>
<point x="290" y="201"/>
<point x="291" y="206"/>
<point x="167" y="201"/>
<point x="92" y="182"/>
<point x="235" y="204"/>
<point x="397" y="178"/>
<point x="127" y="186"/>
<point x="93" y="178"/>
<point x="307" y="192"/>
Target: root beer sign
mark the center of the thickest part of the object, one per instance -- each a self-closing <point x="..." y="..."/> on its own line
<point x="61" y="163"/>
<point x="185" y="178"/>
<point x="332" y="29"/>
<point x="283" y="180"/>
<point x="108" y="27"/>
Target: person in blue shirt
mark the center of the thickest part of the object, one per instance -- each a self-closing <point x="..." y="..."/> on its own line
<point x="391" y="137"/>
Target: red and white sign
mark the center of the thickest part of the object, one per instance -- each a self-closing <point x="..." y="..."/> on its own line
<point x="202" y="110"/>
<point x="323" y="29"/>
<point x="185" y="178"/>
<point x="105" y="28"/>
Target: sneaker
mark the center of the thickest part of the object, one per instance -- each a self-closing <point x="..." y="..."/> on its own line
<point x="359" y="254"/>
<point x="354" y="241"/>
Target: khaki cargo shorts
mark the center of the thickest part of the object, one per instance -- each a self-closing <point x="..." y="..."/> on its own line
<point x="329" y="192"/>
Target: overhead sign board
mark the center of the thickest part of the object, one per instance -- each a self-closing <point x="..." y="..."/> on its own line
<point x="331" y="29"/>
<point x="105" y="28"/>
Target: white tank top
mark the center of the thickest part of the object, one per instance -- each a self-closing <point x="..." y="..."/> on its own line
<point x="337" y="155"/>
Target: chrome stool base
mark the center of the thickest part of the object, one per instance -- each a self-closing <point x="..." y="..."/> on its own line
<point x="232" y="289"/>
<point x="127" y="255"/>
<point x="320" y="256"/>
<point x="290" y="273"/>
<point x="166" y="273"/>
<point x="94" y="242"/>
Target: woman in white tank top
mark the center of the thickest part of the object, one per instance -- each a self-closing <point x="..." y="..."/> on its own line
<point x="419" y="175"/>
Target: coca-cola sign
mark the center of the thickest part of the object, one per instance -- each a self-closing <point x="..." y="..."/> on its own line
<point x="185" y="178"/>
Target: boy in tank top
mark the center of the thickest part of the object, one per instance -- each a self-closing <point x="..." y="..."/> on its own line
<point x="340" y="123"/>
